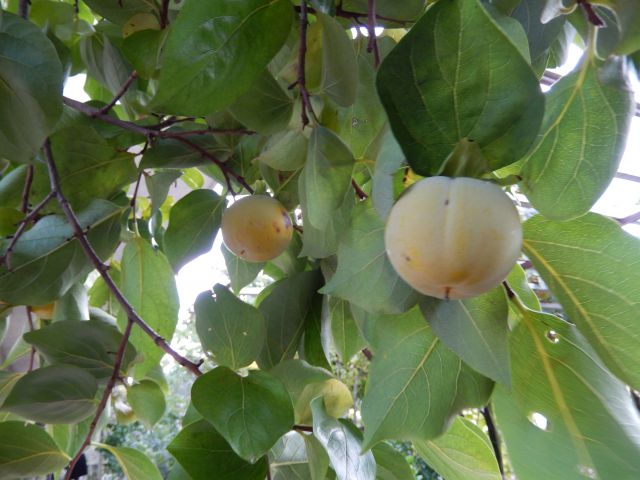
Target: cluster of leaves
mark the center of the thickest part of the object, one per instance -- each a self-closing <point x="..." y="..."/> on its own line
<point x="200" y="92"/>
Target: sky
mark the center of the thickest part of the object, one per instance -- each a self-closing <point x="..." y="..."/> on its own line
<point x="621" y="199"/>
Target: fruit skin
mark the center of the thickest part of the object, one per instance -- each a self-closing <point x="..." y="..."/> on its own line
<point x="453" y="238"/>
<point x="256" y="228"/>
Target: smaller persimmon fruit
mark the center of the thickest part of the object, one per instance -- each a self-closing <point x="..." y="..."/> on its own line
<point x="453" y="238"/>
<point x="256" y="228"/>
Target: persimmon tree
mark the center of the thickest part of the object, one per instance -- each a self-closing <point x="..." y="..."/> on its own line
<point x="277" y="98"/>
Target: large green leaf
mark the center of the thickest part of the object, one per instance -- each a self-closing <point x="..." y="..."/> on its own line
<point x="416" y="385"/>
<point x="475" y="329"/>
<point x="288" y="458"/>
<point x="86" y="344"/>
<point x="365" y="276"/>
<point x="250" y="412"/>
<point x="148" y="284"/>
<point x="240" y="273"/>
<point x="30" y="88"/>
<point x="286" y="152"/>
<point x="135" y="464"/>
<point x="215" y="51"/>
<point x="463" y="453"/>
<point x="439" y="88"/>
<point x="590" y="265"/>
<point x="539" y="35"/>
<point x="230" y="330"/>
<point x="45" y="263"/>
<point x="27" y="450"/>
<point x="54" y="394"/>
<point x="339" y="78"/>
<point x="265" y="108"/>
<point x="171" y="153"/>
<point x="326" y="177"/>
<point x="205" y="454"/>
<point x="285" y="310"/>
<point x="340" y="333"/>
<point x="562" y="406"/>
<point x="305" y="382"/>
<point x="121" y="11"/>
<point x="581" y="141"/>
<point x="7" y="381"/>
<point x="148" y="402"/>
<point x="391" y="464"/>
<point x="343" y="443"/>
<point x="193" y="225"/>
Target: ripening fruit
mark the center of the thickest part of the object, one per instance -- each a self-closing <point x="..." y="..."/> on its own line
<point x="453" y="238"/>
<point x="256" y="228"/>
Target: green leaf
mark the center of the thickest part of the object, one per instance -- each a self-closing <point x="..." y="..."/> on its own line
<point x="288" y="458"/>
<point x="475" y="329"/>
<point x="305" y="382"/>
<point x="46" y="263"/>
<point x="27" y="450"/>
<point x="317" y="457"/>
<point x="205" y="454"/>
<point x="73" y="305"/>
<point x="250" y="412"/>
<point x="265" y="108"/>
<point x="343" y="443"/>
<point x="562" y="404"/>
<point x="158" y="186"/>
<point x="438" y="89"/>
<point x="121" y="11"/>
<point x="286" y="152"/>
<point x="135" y="464"/>
<point x="412" y="369"/>
<point x="86" y="344"/>
<point x="215" y="51"/>
<point x="311" y="347"/>
<point x="326" y="177"/>
<point x="240" y="273"/>
<point x="590" y="265"/>
<point x="148" y="402"/>
<point x="405" y="10"/>
<point x="171" y="153"/>
<point x="7" y="381"/>
<point x="193" y="225"/>
<point x="142" y="49"/>
<point x="230" y="330"/>
<point x="463" y="453"/>
<point x="365" y="276"/>
<point x="30" y="88"/>
<point x="340" y="333"/>
<point x="581" y="141"/>
<point x="9" y="219"/>
<point x="391" y="464"/>
<point x="285" y="310"/>
<point x="148" y="284"/>
<point x="540" y="35"/>
<point x="517" y="281"/>
<point x="54" y="394"/>
<point x="390" y="159"/>
<point x="339" y="79"/>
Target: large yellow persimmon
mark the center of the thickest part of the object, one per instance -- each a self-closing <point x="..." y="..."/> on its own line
<point x="256" y="228"/>
<point x="453" y="238"/>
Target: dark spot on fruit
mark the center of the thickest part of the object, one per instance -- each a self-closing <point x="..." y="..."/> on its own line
<point x="242" y="252"/>
<point x="407" y="258"/>
<point x="447" y="291"/>
<point x="446" y="202"/>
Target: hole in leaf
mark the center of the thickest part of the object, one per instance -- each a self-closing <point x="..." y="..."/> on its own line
<point x="588" y="472"/>
<point x="552" y="336"/>
<point x="539" y="420"/>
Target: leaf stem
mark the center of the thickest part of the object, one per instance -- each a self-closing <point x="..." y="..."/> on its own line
<point x="302" y="54"/>
<point x="104" y="269"/>
<point x="23" y="9"/>
<point x="26" y="190"/>
<point x="495" y="439"/>
<point x="590" y="13"/>
<point x="32" y="354"/>
<point x="371" y="28"/>
<point x="105" y="397"/>
<point x="119" y="94"/>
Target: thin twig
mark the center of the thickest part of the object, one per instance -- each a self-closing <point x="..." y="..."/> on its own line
<point x="590" y="13"/>
<point x="125" y="86"/>
<point x="372" y="45"/>
<point x="495" y="439"/>
<point x="26" y="190"/>
<point x="153" y="133"/>
<point x="135" y="193"/>
<point x="367" y="353"/>
<point x="32" y="355"/>
<point x="302" y="79"/>
<point x="24" y="223"/>
<point x="164" y="14"/>
<point x="210" y="131"/>
<point x="356" y="16"/>
<point x="362" y="195"/>
<point x="104" y="269"/>
<point x="105" y="397"/>
<point x="23" y="8"/>
<point x="303" y="428"/>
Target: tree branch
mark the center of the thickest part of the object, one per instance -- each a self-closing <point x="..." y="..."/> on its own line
<point x="32" y="354"/>
<point x="103" y="269"/>
<point x="164" y="14"/>
<point x="23" y="9"/>
<point x="125" y="86"/>
<point x="303" y="428"/>
<point x="26" y="190"/>
<point x="153" y="133"/>
<point x="105" y="397"/>
<point x="495" y="439"/>
<point x="371" y="28"/>
<point x="302" y="56"/>
<point x="361" y="194"/>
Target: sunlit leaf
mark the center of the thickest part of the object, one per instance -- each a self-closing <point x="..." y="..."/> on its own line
<point x="135" y="464"/>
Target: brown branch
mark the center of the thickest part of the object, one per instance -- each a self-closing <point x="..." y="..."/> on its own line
<point x="495" y="439"/>
<point x="633" y="218"/>
<point x="105" y="397"/>
<point x="340" y="12"/>
<point x="303" y="428"/>
<point x="367" y="353"/>
<point x="153" y="133"/>
<point x="24" y="223"/>
<point x="26" y="190"/>
<point x="104" y="269"/>
<point x="23" y="9"/>
<point x="372" y="45"/>
<point x="302" y="79"/>
<point x="361" y="194"/>
<point x="210" y="131"/>
<point x="125" y="86"/>
<point x="164" y="14"/>
<point x="32" y="354"/>
<point x="590" y="13"/>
